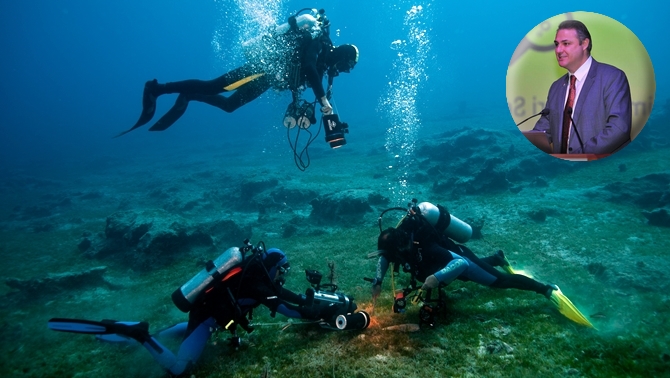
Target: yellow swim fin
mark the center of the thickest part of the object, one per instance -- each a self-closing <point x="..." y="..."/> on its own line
<point x="506" y="266"/>
<point x="565" y="307"/>
<point x="240" y="83"/>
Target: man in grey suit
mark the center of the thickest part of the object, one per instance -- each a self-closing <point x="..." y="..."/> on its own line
<point x="589" y="107"/>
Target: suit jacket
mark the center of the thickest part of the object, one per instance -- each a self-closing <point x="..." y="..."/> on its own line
<point x="602" y="114"/>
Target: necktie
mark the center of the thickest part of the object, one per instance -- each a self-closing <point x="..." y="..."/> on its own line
<point x="566" y="115"/>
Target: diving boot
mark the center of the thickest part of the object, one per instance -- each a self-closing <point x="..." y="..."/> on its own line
<point x="504" y="263"/>
<point x="135" y="330"/>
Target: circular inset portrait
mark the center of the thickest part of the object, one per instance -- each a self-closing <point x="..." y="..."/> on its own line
<point x="580" y="86"/>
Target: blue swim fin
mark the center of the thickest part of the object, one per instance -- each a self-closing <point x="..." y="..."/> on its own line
<point x="136" y="330"/>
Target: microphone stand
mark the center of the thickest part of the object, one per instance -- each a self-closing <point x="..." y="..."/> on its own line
<point x="544" y="112"/>
<point x="574" y="126"/>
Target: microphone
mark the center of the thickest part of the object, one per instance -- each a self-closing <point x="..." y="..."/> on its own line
<point x="574" y="127"/>
<point x="544" y="113"/>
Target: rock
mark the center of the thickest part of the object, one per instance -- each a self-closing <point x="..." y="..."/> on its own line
<point x="597" y="269"/>
<point x="342" y="207"/>
<point x="648" y="192"/>
<point x="293" y="197"/>
<point x="477" y="225"/>
<point x="155" y="238"/>
<point x="57" y="283"/>
<point x="226" y="231"/>
<point x="537" y="215"/>
<point x="289" y="230"/>
<point x="84" y="244"/>
<point x="657" y="217"/>
<point x="249" y="188"/>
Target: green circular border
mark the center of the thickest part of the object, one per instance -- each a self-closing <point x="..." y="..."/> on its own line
<point x="533" y="67"/>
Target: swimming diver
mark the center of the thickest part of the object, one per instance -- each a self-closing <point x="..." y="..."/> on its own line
<point x="295" y="54"/>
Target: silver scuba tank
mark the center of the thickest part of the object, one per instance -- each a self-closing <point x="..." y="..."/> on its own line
<point x="305" y="21"/>
<point x="187" y="295"/>
<point x="456" y="229"/>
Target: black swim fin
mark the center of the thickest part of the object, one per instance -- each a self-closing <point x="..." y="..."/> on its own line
<point x="148" y="105"/>
<point x="136" y="330"/>
<point x="172" y="115"/>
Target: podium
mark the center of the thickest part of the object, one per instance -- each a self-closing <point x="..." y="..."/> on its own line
<point x="580" y="157"/>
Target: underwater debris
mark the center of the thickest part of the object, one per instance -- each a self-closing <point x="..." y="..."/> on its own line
<point x="409" y="327"/>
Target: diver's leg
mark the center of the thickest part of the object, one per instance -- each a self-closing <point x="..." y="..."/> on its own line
<point x="176" y="111"/>
<point x="152" y="90"/>
<point x="246" y="93"/>
<point x="177" y="331"/>
<point x="483" y="273"/>
<point x="243" y="95"/>
<point x="487" y="264"/>
<point x="191" y="348"/>
<point x="446" y="275"/>
<point x="521" y="282"/>
<point x="209" y="87"/>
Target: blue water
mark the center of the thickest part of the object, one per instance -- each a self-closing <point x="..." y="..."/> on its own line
<point x="72" y="71"/>
<point x="72" y="74"/>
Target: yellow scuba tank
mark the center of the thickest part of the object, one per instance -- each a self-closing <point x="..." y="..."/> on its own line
<point x="215" y="271"/>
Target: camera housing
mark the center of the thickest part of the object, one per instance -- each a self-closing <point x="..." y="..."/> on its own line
<point x="336" y="310"/>
<point x="335" y="130"/>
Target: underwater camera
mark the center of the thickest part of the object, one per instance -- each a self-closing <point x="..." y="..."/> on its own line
<point x="336" y="310"/>
<point x="399" y="302"/>
<point x="335" y="130"/>
<point x="299" y="113"/>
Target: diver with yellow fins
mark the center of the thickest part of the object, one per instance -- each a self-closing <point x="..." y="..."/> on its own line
<point x="291" y="56"/>
<point x="426" y="242"/>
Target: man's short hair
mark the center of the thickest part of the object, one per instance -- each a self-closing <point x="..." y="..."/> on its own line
<point x="580" y="28"/>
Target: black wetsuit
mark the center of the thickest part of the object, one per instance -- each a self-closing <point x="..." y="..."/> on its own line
<point x="275" y="64"/>
<point x="436" y="254"/>
<point x="250" y="290"/>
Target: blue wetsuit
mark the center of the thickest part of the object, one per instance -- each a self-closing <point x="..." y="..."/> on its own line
<point x="216" y="310"/>
<point x="449" y="261"/>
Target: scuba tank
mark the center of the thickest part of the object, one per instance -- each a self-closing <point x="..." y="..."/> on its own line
<point x="307" y="21"/>
<point x="215" y="271"/>
<point x="437" y="217"/>
<point x="446" y="223"/>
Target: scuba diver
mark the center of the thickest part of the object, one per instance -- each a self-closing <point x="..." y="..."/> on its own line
<point x="293" y="55"/>
<point x="223" y="295"/>
<point x="426" y="243"/>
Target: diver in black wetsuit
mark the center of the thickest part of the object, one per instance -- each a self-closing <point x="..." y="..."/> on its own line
<point x="297" y="53"/>
<point x="223" y="306"/>
<point x="422" y="243"/>
<point x="426" y="241"/>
